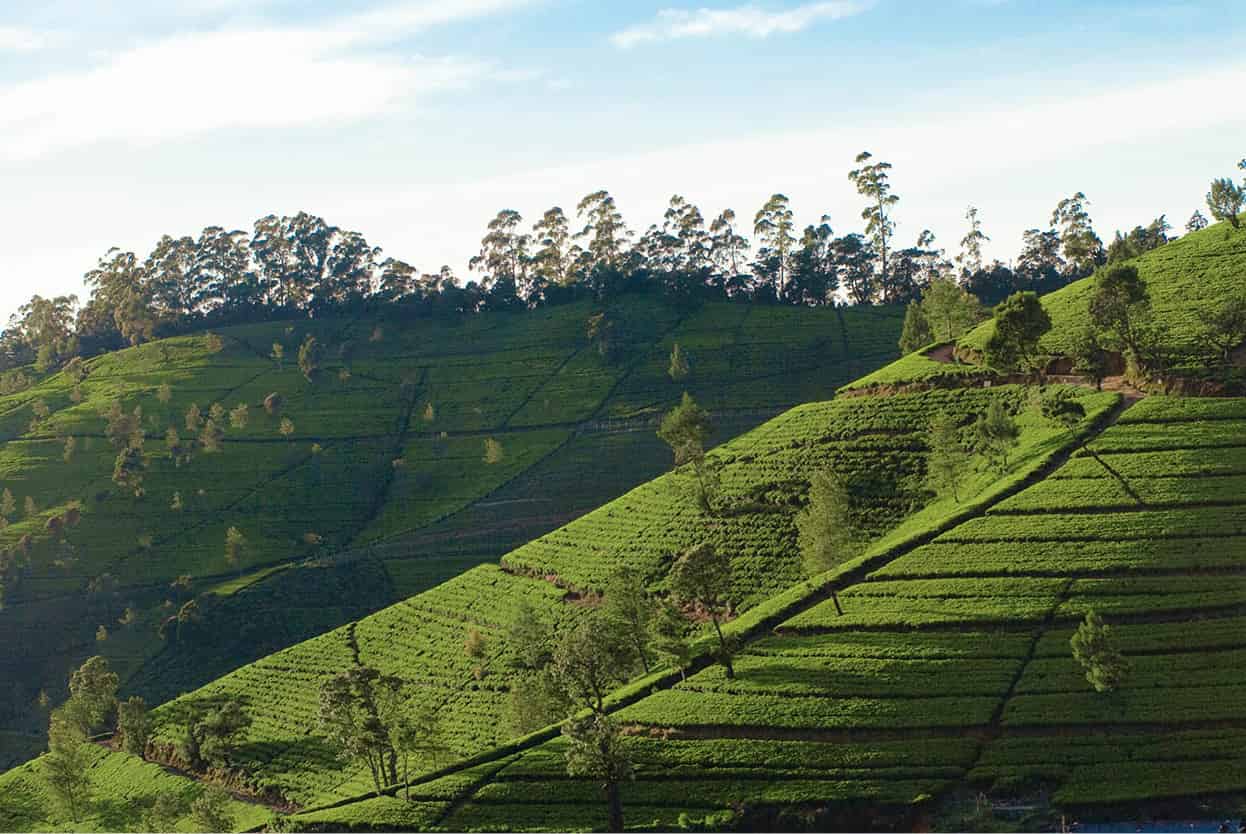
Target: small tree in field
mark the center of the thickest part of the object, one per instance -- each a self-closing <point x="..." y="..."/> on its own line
<point x="1095" y="648"/>
<point x="238" y="416"/>
<point x="194" y="418"/>
<point x="1118" y="306"/>
<point x="350" y="715"/>
<point x="995" y="435"/>
<point x="476" y="646"/>
<point x="133" y="724"/>
<point x="1020" y="322"/>
<point x="949" y="309"/>
<point x="1225" y="200"/>
<point x="286" y="427"/>
<point x="210" y="810"/>
<point x="278" y="354"/>
<point x="1090" y="358"/>
<point x="93" y="690"/>
<point x="916" y="332"/>
<point x="591" y="658"/>
<point x="235" y="546"/>
<point x="595" y="751"/>
<point x="948" y="459"/>
<point x="65" y="768"/>
<point x="701" y="577"/>
<point x="628" y="604"/>
<point x="685" y="429"/>
<point x="413" y="731"/>
<point x="493" y="451"/>
<point x="679" y="369"/>
<point x="309" y="357"/>
<point x="826" y="532"/>
<point x="1224" y="325"/>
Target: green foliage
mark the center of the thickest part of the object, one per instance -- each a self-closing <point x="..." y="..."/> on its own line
<point x="210" y="810"/>
<point x="916" y="332"/>
<point x="591" y="659"/>
<point x="1020" y="322"/>
<point x="948" y="461"/>
<point x="630" y="608"/>
<point x="1094" y="647"/>
<point x="65" y="767"/>
<point x="1224" y="325"/>
<point x="595" y="751"/>
<point x="1090" y="358"/>
<point x="827" y="533"/>
<point x="133" y="725"/>
<point x="950" y="310"/>
<point x="701" y="577"/>
<point x="1225" y="200"/>
<point x="93" y="689"/>
<point x="995" y="434"/>
<point x="679" y="369"/>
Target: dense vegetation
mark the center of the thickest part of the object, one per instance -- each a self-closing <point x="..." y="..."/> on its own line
<point x="409" y="455"/>
<point x="959" y="577"/>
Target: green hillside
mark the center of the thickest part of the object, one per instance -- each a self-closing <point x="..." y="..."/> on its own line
<point x="366" y="484"/>
<point x="949" y="673"/>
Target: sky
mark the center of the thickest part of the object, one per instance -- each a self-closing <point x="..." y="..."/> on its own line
<point x="416" y="121"/>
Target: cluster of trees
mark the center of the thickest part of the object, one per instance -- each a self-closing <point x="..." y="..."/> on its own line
<point x="300" y="265"/>
<point x="93" y="712"/>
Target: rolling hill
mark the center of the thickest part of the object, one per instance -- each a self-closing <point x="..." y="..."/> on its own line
<point x="949" y="672"/>
<point x="353" y="489"/>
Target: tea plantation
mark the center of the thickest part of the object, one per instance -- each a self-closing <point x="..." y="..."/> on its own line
<point x="354" y="487"/>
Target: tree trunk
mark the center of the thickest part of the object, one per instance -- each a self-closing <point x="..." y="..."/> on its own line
<point x="722" y="650"/>
<point x="615" y="802"/>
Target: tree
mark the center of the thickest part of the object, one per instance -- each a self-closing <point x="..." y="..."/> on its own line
<point x="826" y="533"/>
<point x="211" y="730"/>
<point x="8" y="506"/>
<point x="493" y="451"/>
<point x="163" y="813"/>
<point x="995" y="435"/>
<point x="949" y="309"/>
<point x="133" y="724"/>
<point x="194" y="418"/>
<point x="773" y="226"/>
<point x="916" y="332"/>
<point x="210" y="810"/>
<point x="503" y="256"/>
<point x="1090" y="358"/>
<point x="627" y="604"/>
<point x="948" y="459"/>
<point x="71" y="444"/>
<point x="278" y="354"/>
<point x="238" y="416"/>
<point x="669" y="635"/>
<point x="701" y="577"/>
<point x="1225" y="200"/>
<point x="685" y="429"/>
<point x="476" y="646"/>
<point x="728" y="252"/>
<point x="555" y="255"/>
<point x="872" y="182"/>
<point x="530" y="638"/>
<point x="93" y="687"/>
<point x="65" y="768"/>
<point x="970" y="257"/>
<point x="679" y="369"/>
<point x="1039" y="266"/>
<point x="350" y="716"/>
<point x="1139" y="241"/>
<point x="235" y="546"/>
<point x="1061" y="406"/>
<point x="595" y="751"/>
<point x="1118" y="303"/>
<point x="590" y="660"/>
<point x="1082" y="247"/>
<point x="1095" y="648"/>
<point x="603" y="230"/>
<point x="412" y="731"/>
<point x="1196" y="223"/>
<point x="537" y="699"/>
<point x="1020" y="322"/>
<point x="309" y="357"/>
<point x="1224" y="325"/>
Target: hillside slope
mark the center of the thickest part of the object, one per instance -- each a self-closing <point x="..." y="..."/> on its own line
<point x="366" y="484"/>
<point x="951" y="666"/>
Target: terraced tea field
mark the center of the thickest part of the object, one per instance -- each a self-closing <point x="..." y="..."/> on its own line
<point x="359" y="487"/>
<point x="951" y="664"/>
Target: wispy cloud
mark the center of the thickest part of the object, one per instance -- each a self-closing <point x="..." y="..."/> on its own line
<point x="260" y="77"/>
<point x="750" y="20"/>
<point x="20" y="39"/>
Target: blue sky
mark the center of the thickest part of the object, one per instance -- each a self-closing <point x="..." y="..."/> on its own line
<point x="415" y="121"/>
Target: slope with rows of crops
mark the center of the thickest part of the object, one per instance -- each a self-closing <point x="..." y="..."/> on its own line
<point x="274" y="499"/>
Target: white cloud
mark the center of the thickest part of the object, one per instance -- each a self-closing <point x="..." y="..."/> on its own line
<point x="20" y="39"/>
<point x="752" y="21"/>
<point x="188" y="84"/>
